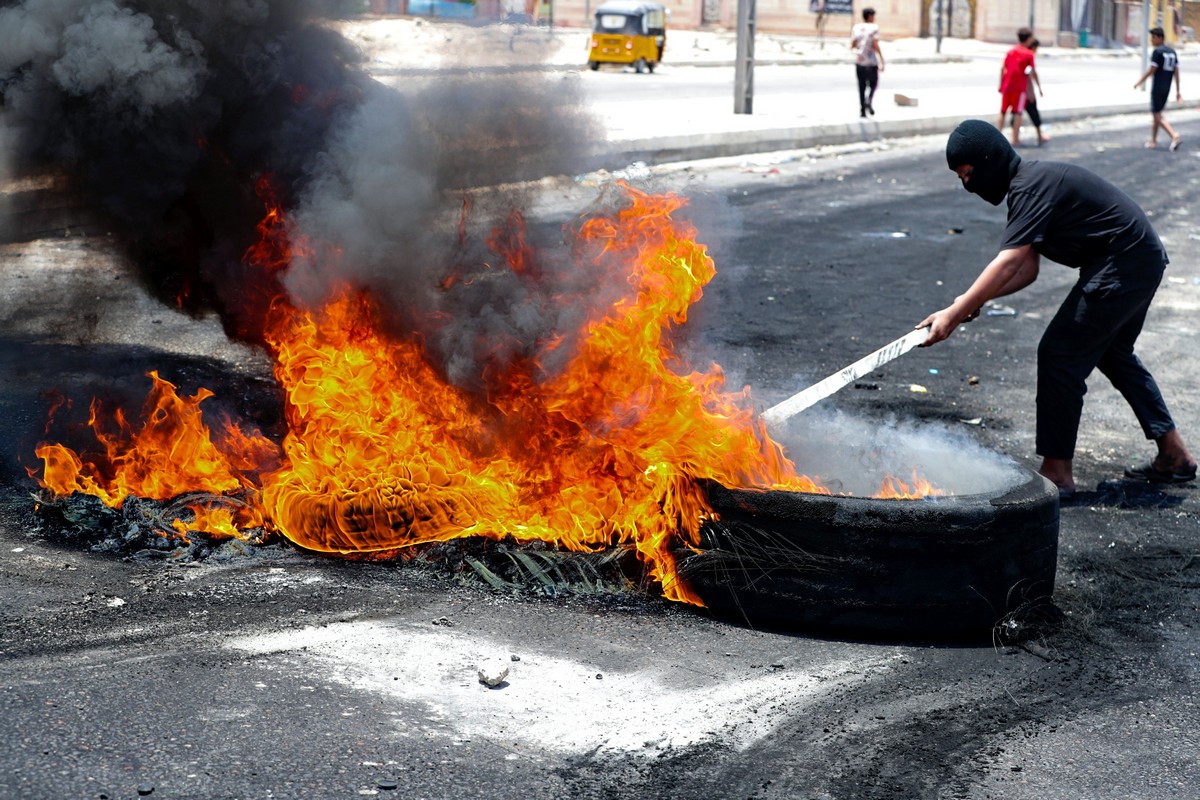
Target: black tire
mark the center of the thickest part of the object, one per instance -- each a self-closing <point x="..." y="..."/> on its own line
<point x="639" y="66"/>
<point x="650" y="65"/>
<point x="947" y="568"/>
<point x="593" y="65"/>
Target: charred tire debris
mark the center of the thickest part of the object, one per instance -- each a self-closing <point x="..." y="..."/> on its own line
<point x="141" y="530"/>
<point x="978" y="567"/>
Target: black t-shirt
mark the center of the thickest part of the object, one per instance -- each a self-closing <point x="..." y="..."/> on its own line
<point x="1073" y="216"/>
<point x="1165" y="62"/>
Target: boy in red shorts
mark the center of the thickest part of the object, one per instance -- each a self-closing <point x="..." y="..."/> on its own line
<point x="1014" y="83"/>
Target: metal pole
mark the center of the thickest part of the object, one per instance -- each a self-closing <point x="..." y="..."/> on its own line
<point x="743" y="77"/>
<point x="1145" y="36"/>
<point x="1031" y="2"/>
<point x="939" y="26"/>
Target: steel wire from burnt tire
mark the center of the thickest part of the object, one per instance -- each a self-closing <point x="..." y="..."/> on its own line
<point x="938" y="569"/>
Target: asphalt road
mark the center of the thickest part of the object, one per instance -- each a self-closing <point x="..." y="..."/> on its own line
<point x="271" y="673"/>
<point x="824" y="89"/>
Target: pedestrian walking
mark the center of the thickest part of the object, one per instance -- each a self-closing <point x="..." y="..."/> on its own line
<point x="1032" y="83"/>
<point x="868" y="60"/>
<point x="1164" y="67"/>
<point x="1076" y="218"/>
<point x="1014" y="83"/>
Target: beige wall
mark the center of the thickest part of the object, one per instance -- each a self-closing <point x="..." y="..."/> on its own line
<point x="995" y="20"/>
<point x="998" y="20"/>
<point x="896" y="18"/>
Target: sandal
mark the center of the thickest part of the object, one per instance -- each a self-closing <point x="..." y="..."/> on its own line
<point x="1175" y="143"/>
<point x="1148" y="472"/>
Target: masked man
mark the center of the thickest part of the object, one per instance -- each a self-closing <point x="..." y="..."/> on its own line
<point x="1078" y="219"/>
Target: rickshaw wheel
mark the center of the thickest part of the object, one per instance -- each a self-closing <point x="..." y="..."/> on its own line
<point x="639" y="66"/>
<point x="650" y="65"/>
<point x="594" y="65"/>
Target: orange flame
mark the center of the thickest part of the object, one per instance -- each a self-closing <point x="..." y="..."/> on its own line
<point x="895" y="489"/>
<point x="172" y="453"/>
<point x="609" y="448"/>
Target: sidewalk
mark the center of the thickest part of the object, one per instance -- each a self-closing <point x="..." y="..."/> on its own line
<point x="419" y="43"/>
<point x="680" y="128"/>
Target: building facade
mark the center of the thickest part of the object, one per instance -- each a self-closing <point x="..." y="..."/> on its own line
<point x="1064" y="23"/>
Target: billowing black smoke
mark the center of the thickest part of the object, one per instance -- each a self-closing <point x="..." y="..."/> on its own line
<point x="174" y="117"/>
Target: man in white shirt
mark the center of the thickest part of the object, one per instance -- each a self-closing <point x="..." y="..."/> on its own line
<point x="868" y="60"/>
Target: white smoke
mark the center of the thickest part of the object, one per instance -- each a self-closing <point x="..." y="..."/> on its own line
<point x="853" y="456"/>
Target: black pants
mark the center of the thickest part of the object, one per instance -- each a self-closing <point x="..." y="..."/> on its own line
<point x="1096" y="327"/>
<point x="868" y="78"/>
<point x="1034" y="116"/>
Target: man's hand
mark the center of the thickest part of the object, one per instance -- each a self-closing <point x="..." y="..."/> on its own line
<point x="940" y="324"/>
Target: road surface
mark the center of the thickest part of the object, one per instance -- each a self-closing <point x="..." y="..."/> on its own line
<point x="266" y="672"/>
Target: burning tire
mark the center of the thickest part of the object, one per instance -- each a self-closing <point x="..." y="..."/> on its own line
<point x="936" y="569"/>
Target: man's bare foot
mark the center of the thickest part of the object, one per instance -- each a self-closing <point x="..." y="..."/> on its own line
<point x="1059" y="471"/>
<point x="1157" y="471"/>
<point x="1163" y="464"/>
<point x="1173" y="454"/>
<point x="1177" y="465"/>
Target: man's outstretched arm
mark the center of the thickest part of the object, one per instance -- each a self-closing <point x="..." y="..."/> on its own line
<point x="1010" y="271"/>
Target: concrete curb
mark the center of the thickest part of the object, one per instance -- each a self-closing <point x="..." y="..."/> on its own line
<point x="698" y="146"/>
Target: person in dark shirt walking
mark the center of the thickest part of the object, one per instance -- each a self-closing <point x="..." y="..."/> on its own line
<point x="1164" y="67"/>
<point x="1076" y="218"/>
<point x="1031" y="97"/>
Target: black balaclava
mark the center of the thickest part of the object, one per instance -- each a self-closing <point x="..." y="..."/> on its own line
<point x="992" y="158"/>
